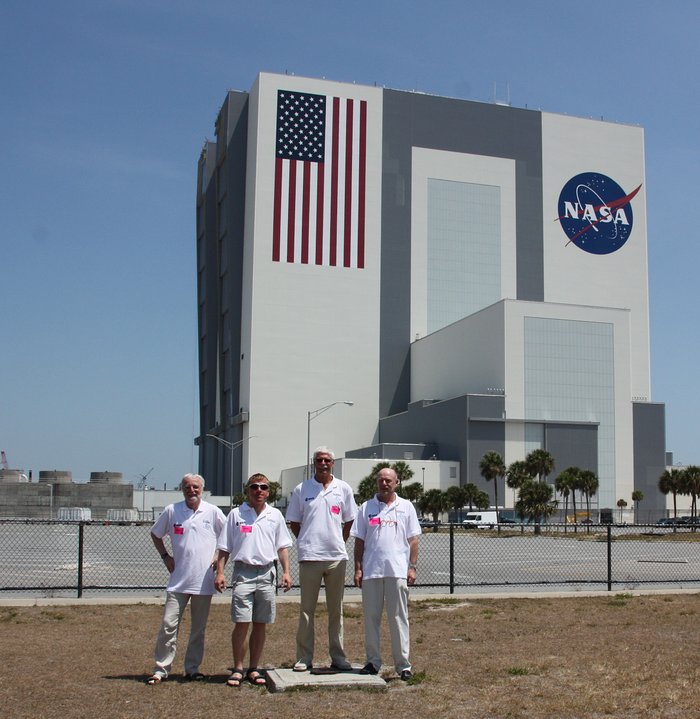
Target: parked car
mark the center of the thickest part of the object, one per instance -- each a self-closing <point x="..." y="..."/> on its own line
<point x="427" y="522"/>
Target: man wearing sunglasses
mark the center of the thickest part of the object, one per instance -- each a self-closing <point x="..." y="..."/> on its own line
<point x="320" y="513"/>
<point x="255" y="536"/>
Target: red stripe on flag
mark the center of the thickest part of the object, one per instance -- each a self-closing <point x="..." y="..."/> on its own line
<point x="290" y="210"/>
<point x="362" y="172"/>
<point x="335" y="138"/>
<point x="277" y="219"/>
<point x="319" y="216"/>
<point x="347" y="239"/>
<point x="305" y="215"/>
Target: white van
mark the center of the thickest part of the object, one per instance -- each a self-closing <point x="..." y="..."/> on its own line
<point x="483" y="519"/>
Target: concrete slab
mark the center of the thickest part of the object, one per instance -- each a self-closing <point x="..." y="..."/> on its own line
<point x="280" y="680"/>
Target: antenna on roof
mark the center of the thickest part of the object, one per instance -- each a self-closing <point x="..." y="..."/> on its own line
<point x="496" y="101"/>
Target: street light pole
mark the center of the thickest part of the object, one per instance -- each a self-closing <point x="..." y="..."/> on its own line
<point x="231" y="446"/>
<point x="312" y="414"/>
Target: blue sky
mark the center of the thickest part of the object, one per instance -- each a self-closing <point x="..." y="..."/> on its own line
<point x="106" y="105"/>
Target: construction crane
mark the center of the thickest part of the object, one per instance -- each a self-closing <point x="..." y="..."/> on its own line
<point x="142" y="487"/>
<point x="143" y="478"/>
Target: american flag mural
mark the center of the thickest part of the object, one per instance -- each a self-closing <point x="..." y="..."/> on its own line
<point x="320" y="177"/>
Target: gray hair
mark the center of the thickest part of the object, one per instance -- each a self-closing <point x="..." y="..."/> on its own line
<point x="324" y="450"/>
<point x="191" y="477"/>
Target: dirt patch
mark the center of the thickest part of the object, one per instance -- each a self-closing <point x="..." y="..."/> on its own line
<point x="616" y="656"/>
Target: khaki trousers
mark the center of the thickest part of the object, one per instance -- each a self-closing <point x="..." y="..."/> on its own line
<point x="166" y="643"/>
<point x="311" y="574"/>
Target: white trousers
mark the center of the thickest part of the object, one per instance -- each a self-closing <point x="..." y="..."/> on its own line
<point x="166" y="643"/>
<point x="392" y="592"/>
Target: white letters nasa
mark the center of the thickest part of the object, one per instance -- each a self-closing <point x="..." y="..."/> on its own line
<point x="594" y="214"/>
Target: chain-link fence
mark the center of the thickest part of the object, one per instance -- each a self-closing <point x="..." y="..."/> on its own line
<point x="43" y="558"/>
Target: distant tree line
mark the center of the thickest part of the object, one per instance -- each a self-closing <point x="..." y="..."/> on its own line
<point x="682" y="481"/>
<point x="527" y="477"/>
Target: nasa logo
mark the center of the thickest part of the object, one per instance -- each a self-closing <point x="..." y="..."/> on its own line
<point x="595" y="213"/>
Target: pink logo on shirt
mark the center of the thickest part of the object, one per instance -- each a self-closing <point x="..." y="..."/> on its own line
<point x="246" y="528"/>
<point x="374" y="521"/>
<point x="335" y="509"/>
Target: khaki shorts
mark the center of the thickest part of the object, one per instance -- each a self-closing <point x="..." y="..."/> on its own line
<point x="253" y="593"/>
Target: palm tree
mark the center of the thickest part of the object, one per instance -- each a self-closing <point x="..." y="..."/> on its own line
<point x="540" y="462"/>
<point x="565" y="484"/>
<point x="637" y="497"/>
<point x="275" y="490"/>
<point x="471" y="493"/>
<point x="589" y="486"/>
<point x="535" y="502"/>
<point x="482" y="500"/>
<point x="493" y="467"/>
<point x="517" y="474"/>
<point x="621" y="503"/>
<point x="456" y="497"/>
<point x="690" y="483"/>
<point x="366" y="489"/>
<point x="412" y="492"/>
<point x="403" y="471"/>
<point x="434" y="502"/>
<point x="670" y="483"/>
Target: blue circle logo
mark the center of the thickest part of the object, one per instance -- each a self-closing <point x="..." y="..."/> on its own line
<point x="596" y="213"/>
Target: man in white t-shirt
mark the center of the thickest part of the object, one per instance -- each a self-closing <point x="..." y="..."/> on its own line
<point x="386" y="535"/>
<point x="320" y="513"/>
<point x="193" y="527"/>
<point x="255" y="536"/>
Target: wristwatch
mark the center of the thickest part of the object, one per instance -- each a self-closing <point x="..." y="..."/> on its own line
<point x="412" y="566"/>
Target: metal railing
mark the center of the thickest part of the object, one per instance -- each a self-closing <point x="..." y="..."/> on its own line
<point x="82" y="558"/>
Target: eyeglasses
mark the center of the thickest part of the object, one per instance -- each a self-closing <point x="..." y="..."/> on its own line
<point x="263" y="487"/>
<point x="323" y="460"/>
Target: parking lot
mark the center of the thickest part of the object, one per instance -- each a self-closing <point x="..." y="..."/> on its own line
<point x="65" y="559"/>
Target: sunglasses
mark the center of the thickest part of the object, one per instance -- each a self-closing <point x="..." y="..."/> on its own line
<point x="264" y="487"/>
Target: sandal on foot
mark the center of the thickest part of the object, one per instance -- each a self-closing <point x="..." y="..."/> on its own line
<point x="155" y="679"/>
<point x="235" y="679"/>
<point x="256" y="677"/>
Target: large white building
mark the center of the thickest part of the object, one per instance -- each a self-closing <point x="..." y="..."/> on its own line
<point x="471" y="276"/>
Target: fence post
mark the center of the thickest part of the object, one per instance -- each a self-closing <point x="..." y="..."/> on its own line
<point x="81" y="548"/>
<point x="452" y="558"/>
<point x="609" y="557"/>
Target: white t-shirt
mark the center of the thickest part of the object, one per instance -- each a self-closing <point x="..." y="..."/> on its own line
<point x="193" y="536"/>
<point x="321" y="514"/>
<point x="385" y="530"/>
<point x="254" y="538"/>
